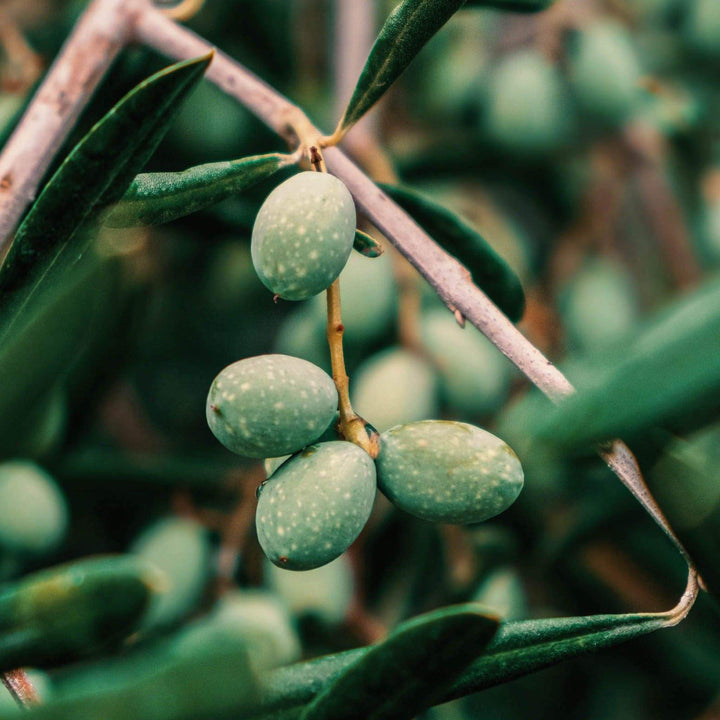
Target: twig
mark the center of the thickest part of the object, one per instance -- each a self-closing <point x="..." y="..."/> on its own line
<point x="99" y="36"/>
<point x="21" y="688"/>
<point x="446" y="275"/>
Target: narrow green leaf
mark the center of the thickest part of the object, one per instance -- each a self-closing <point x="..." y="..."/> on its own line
<point x="526" y="646"/>
<point x="367" y="245"/>
<point x="208" y="684"/>
<point x="155" y="198"/>
<point x="100" y="167"/>
<point x="403" y="675"/>
<point x="517" y="649"/>
<point x="521" y="6"/>
<point x="489" y="271"/>
<point x="71" y="610"/>
<point x="50" y="282"/>
<point x="669" y="375"/>
<point x="410" y="25"/>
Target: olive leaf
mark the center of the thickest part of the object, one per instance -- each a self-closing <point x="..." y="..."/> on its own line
<point x="49" y="282"/>
<point x="517" y="649"/>
<point x="205" y="684"/>
<point x="669" y="375"/>
<point x="367" y="245"/>
<point x="155" y="198"/>
<point x="99" y="601"/>
<point x="488" y="269"/>
<point x="98" y="169"/>
<point x="403" y="675"/>
<point x="408" y="28"/>
<point x="522" y="6"/>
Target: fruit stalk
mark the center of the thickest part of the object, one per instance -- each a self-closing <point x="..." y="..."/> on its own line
<point x="351" y="426"/>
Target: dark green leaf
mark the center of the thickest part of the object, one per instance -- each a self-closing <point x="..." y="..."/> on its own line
<point x="669" y="375"/>
<point x="71" y="610"/>
<point x="49" y="283"/>
<point x="155" y="198"/>
<point x="489" y="271"/>
<point x="208" y="684"/>
<point x="411" y="24"/>
<point x="367" y="245"/>
<point x="405" y="674"/>
<point x="99" y="168"/>
<point x="523" y="6"/>
<point x="526" y="646"/>
<point x="517" y="649"/>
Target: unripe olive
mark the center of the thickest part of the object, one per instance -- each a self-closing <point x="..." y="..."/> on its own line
<point x="395" y="386"/>
<point x="180" y="549"/>
<point x="474" y="374"/>
<point x="702" y="27"/>
<point x="527" y="111"/>
<point x="502" y="592"/>
<point x="302" y="334"/>
<point x="369" y="299"/>
<point x="315" y="505"/>
<point x="270" y="405"/>
<point x="303" y="235"/>
<point x="325" y="592"/>
<point x="33" y="511"/>
<point x="253" y="618"/>
<point x="448" y="472"/>
<point x="599" y="306"/>
<point x="606" y="72"/>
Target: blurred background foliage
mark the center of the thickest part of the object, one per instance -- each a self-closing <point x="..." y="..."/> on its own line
<point x="583" y="143"/>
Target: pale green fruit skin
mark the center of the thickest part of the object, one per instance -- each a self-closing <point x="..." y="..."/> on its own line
<point x="393" y="387"/>
<point x="303" y="235"/>
<point x="254" y="618"/>
<point x="599" y="306"/>
<point x="526" y="104"/>
<point x="606" y="72"/>
<point x="303" y="334"/>
<point x="180" y="549"/>
<point x="315" y="505"/>
<point x="474" y="374"/>
<point x="369" y="298"/>
<point x="502" y="592"/>
<point x="448" y="472"/>
<point x="702" y="27"/>
<point x="324" y="592"/>
<point x="33" y="510"/>
<point x="270" y="405"/>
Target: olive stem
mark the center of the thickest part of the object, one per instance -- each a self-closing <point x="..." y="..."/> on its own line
<point x="351" y="426"/>
<point x="20" y="687"/>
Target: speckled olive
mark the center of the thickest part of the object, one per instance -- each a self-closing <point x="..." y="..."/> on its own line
<point x="270" y="405"/>
<point x="303" y="235"/>
<point x="315" y="505"/>
<point x="448" y="472"/>
<point x="474" y="374"/>
<point x="394" y="386"/>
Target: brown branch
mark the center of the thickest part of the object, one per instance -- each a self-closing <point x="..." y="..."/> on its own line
<point x="101" y="33"/>
<point x="20" y="687"/>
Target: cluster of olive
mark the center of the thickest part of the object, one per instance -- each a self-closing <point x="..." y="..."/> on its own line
<point x="318" y="499"/>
